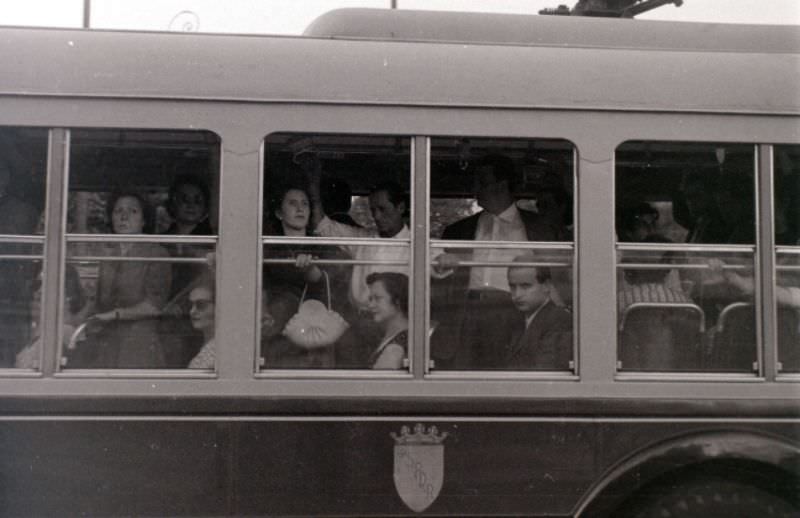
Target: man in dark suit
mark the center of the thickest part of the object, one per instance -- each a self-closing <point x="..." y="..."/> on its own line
<point x="544" y="340"/>
<point x="473" y="305"/>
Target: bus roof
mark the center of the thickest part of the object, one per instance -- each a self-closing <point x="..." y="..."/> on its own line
<point x="108" y="64"/>
<point x="565" y="31"/>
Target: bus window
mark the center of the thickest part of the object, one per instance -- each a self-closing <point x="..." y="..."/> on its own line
<point x="141" y="229"/>
<point x="787" y="239"/>
<point x="23" y="162"/>
<point x="685" y="227"/>
<point x="335" y="284"/>
<point x="501" y="223"/>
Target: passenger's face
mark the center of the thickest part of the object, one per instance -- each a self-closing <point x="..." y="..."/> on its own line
<point x="201" y="310"/>
<point x="380" y="303"/>
<point x="190" y="204"/>
<point x="486" y="185"/>
<point x="388" y="216"/>
<point x="527" y="293"/>
<point x="294" y="211"/>
<point x="127" y="216"/>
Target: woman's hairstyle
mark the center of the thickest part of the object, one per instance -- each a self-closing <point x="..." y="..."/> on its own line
<point x="273" y="225"/>
<point x="180" y="181"/>
<point x="396" y="285"/>
<point x="148" y="213"/>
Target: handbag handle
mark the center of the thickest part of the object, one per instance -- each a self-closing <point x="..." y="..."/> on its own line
<point x="327" y="289"/>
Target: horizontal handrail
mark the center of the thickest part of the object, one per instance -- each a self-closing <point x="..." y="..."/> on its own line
<point x="671" y="266"/>
<point x="119" y="259"/>
<point x="527" y="245"/>
<point x="338" y="241"/>
<point x="141" y="238"/>
<point x="21" y="239"/>
<point x="22" y="257"/>
<point x="684" y="247"/>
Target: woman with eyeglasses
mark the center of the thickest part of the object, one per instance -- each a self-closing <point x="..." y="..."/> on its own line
<point x="201" y="313"/>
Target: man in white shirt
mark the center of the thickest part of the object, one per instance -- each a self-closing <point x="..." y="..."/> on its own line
<point x="473" y="305"/>
<point x="388" y="205"/>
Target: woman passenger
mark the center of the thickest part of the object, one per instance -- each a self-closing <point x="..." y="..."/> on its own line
<point x="291" y="217"/>
<point x="388" y="303"/>
<point x="188" y="204"/>
<point x="202" y="311"/>
<point x="131" y="294"/>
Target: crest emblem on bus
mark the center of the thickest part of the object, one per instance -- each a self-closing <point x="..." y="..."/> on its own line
<point x="418" y="465"/>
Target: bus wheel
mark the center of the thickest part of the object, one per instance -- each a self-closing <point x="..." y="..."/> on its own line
<point x="709" y="498"/>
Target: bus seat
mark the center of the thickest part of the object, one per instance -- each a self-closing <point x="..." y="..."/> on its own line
<point x="734" y="339"/>
<point x="661" y="336"/>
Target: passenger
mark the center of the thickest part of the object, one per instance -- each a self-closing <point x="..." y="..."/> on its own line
<point x="131" y="294"/>
<point x="75" y="307"/>
<point x="474" y="305"/>
<point x="202" y="305"/>
<point x="291" y="218"/>
<point x="544" y="339"/>
<point x="17" y="217"/>
<point x="702" y="218"/>
<point x="388" y="205"/>
<point x="388" y="302"/>
<point x="637" y="222"/>
<point x="786" y="293"/>
<point x="734" y="196"/>
<point x="188" y="204"/>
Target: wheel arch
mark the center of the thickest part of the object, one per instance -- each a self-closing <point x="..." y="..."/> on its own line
<point x="689" y="453"/>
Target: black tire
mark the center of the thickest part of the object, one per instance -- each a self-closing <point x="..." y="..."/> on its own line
<point x="709" y="498"/>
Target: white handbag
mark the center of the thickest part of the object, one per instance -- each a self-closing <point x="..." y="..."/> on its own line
<point x="315" y="325"/>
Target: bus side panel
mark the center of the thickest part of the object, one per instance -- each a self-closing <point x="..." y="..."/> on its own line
<point x="315" y="468"/>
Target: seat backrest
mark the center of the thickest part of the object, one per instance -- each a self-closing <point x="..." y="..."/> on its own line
<point x="734" y="340"/>
<point x="656" y="336"/>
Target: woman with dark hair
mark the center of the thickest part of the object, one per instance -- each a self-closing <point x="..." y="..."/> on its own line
<point x="290" y="216"/>
<point x="388" y="303"/>
<point x="131" y="294"/>
<point x="188" y="204"/>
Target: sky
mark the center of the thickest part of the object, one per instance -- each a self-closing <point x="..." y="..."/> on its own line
<point x="292" y="16"/>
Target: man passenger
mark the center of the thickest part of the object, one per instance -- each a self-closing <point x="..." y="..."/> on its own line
<point x="474" y="305"/>
<point x="388" y="204"/>
<point x="544" y="340"/>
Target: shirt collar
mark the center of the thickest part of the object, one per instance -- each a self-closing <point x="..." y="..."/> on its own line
<point x="510" y="215"/>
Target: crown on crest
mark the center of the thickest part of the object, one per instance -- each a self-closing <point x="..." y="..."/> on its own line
<point x="421" y="435"/>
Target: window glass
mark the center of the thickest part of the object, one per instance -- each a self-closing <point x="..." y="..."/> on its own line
<point x="787" y="237"/>
<point x="682" y="307"/>
<point x="147" y="275"/>
<point x="336" y="252"/>
<point x="501" y="217"/>
<point x="23" y="172"/>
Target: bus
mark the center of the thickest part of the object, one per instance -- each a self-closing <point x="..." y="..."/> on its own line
<point x="444" y="264"/>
